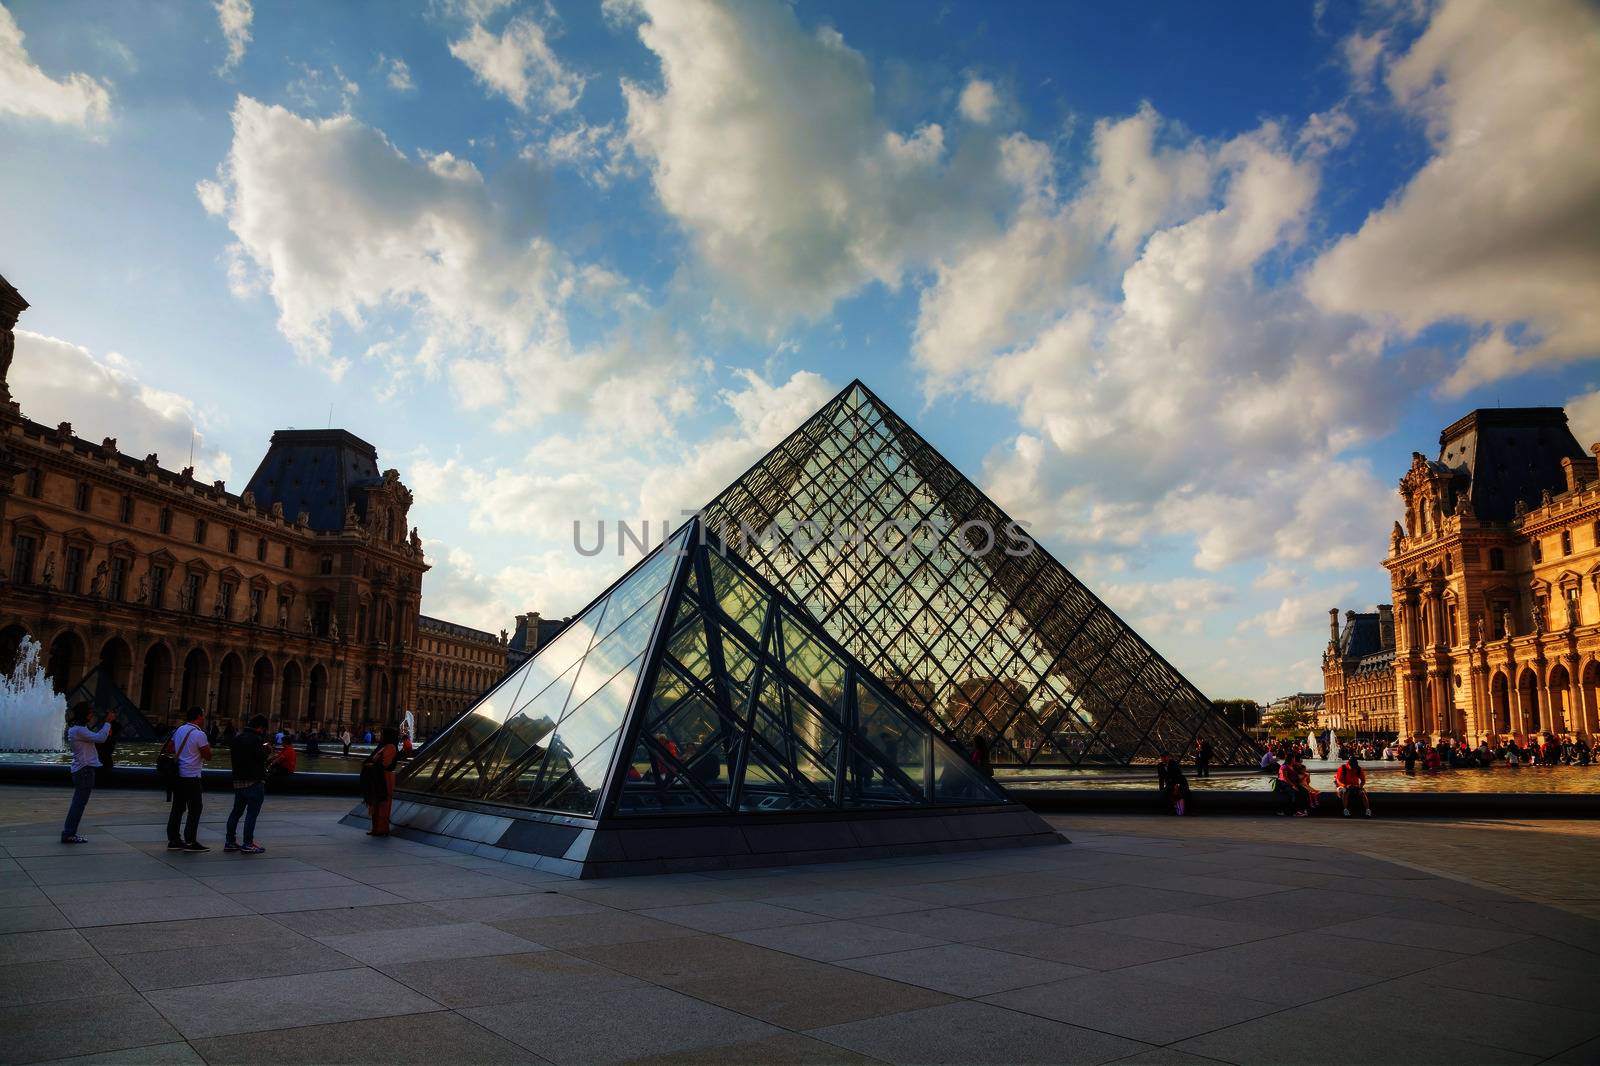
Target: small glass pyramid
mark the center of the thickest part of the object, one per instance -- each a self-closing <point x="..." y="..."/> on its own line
<point x="693" y="717"/>
<point x="856" y="518"/>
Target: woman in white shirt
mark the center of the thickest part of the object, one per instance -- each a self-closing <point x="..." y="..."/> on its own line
<point x="85" y="760"/>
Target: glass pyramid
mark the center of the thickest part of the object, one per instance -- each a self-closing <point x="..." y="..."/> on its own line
<point x="935" y="590"/>
<point x="692" y="688"/>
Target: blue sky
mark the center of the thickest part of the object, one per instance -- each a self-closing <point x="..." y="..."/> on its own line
<point x="1182" y="285"/>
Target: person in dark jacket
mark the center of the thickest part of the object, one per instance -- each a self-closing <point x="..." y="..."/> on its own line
<point x="249" y="750"/>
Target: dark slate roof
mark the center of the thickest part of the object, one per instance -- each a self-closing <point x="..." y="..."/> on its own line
<point x="314" y="470"/>
<point x="1511" y="454"/>
<point x="549" y="629"/>
<point x="1361" y="636"/>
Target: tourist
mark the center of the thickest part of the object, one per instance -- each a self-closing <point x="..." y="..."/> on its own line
<point x="368" y="737"/>
<point x="188" y="743"/>
<point x="312" y="748"/>
<point x="377" y="781"/>
<point x="284" y="760"/>
<point x="1177" y="788"/>
<point x="346" y="740"/>
<point x="1351" y="781"/>
<point x="107" y="750"/>
<point x="248" y="751"/>
<point x="85" y="758"/>
<point x="1513" y="754"/>
<point x="1290" y="793"/>
<point x="1202" y="758"/>
<point x="1408" y="755"/>
<point x="1313" y="796"/>
<point x="1269" y="762"/>
<point x="1580" y="752"/>
<point x="1431" y="761"/>
<point x="1164" y="767"/>
<point x="980" y="755"/>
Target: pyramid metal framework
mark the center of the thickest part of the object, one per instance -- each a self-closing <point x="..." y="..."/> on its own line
<point x="937" y="591"/>
<point x="691" y="717"/>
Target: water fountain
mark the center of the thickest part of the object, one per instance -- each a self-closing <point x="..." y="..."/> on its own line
<point x="33" y="715"/>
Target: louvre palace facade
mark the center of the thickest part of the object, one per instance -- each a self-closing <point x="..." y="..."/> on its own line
<point x="297" y="598"/>
<point x="1495" y="577"/>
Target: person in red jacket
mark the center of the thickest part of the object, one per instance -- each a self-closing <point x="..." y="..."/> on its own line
<point x="1351" y="781"/>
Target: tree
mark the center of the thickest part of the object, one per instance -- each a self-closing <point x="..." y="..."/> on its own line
<point x="1289" y="716"/>
<point x="1244" y="715"/>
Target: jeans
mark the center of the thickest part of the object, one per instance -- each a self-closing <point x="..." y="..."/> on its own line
<point x="82" y="785"/>
<point x="246" y="801"/>
<point x="185" y="797"/>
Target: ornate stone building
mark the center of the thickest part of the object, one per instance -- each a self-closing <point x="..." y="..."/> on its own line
<point x="1358" y="673"/>
<point x="297" y="598"/>
<point x="455" y="665"/>
<point x="1496" y="580"/>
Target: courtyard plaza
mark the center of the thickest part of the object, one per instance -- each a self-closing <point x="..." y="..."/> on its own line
<point x="1146" y="940"/>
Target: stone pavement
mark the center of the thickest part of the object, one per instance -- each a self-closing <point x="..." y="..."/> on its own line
<point x="1145" y="941"/>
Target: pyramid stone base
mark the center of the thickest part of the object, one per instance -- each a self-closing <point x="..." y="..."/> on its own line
<point x="664" y="845"/>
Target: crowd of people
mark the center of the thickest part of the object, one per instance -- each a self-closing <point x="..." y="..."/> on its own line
<point x="256" y="756"/>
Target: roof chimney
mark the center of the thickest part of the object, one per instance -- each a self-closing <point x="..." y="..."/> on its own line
<point x="1386" y="626"/>
<point x="1333" y="626"/>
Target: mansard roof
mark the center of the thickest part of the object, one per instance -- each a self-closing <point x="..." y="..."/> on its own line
<point x="1510" y="454"/>
<point x="315" y="471"/>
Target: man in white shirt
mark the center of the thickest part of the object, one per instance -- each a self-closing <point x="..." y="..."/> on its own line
<point x="85" y="760"/>
<point x="190" y="745"/>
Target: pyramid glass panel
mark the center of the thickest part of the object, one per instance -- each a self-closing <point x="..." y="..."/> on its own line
<point x="691" y="699"/>
<point x="919" y="576"/>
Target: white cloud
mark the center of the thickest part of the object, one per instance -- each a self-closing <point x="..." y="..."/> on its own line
<point x="554" y="583"/>
<point x="342" y="228"/>
<point x="57" y="381"/>
<point x="235" y="17"/>
<point x="764" y="144"/>
<point x="1301" y="613"/>
<point x="28" y="92"/>
<point x="396" y="73"/>
<point x="979" y="102"/>
<point x="1499" y="228"/>
<point x="519" y="64"/>
<point x="598" y="151"/>
<point x="1583" y="416"/>
<point x="1180" y="605"/>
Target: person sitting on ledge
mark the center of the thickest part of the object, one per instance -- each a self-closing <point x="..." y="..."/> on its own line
<point x="1269" y="762"/>
<point x="1290" y="794"/>
<point x="284" y="760"/>
<point x="1351" y="781"/>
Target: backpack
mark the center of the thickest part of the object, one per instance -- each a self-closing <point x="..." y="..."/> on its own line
<point x="167" y="764"/>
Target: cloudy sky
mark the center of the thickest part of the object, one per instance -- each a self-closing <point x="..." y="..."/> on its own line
<point x="1181" y="285"/>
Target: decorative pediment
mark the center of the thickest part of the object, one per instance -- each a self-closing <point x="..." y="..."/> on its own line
<point x="197" y="566"/>
<point x="78" y="535"/>
<point x="120" y="546"/>
<point x="162" y="557"/>
<point x="228" y="573"/>
<point x="28" y="523"/>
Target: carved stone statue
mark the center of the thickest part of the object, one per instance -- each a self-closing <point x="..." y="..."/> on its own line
<point x="48" y="580"/>
<point x="218" y="608"/>
<point x="1396" y="535"/>
<point x="351" y="520"/>
<point x="186" y="598"/>
<point x="277" y="509"/>
<point x="1505" y="624"/>
<point x="97" y="585"/>
<point x="143" y="593"/>
<point x="307" y="620"/>
<point x="283" y="616"/>
<point x="248" y="500"/>
<point x="1538" y="617"/>
<point x="1464" y="507"/>
<point x="302" y="518"/>
<point x="1474" y="630"/>
<point x="416" y="540"/>
<point x="333" y="627"/>
<point x="1572" y="611"/>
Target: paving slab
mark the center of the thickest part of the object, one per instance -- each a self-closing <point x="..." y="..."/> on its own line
<point x="117" y="1021"/>
<point x="461" y="940"/>
<point x="1187" y="927"/>
<point x="570" y="931"/>
<point x="801" y="994"/>
<point x="276" y="1002"/>
<point x="786" y="1049"/>
<point x="638" y="1022"/>
<point x="495" y="979"/>
<point x="190" y="934"/>
<point x="1435" y="935"/>
<point x="176" y="1053"/>
<point x="43" y="944"/>
<point x="28" y="919"/>
<point x="442" y="1037"/>
<point x="959" y="924"/>
<point x="49" y="980"/>
<point x="313" y="899"/>
<point x="847" y="903"/>
<point x="964" y="969"/>
<point x="832" y="941"/>
<point x="1088" y="948"/>
<point x="287" y="953"/>
<point x="730" y="916"/>
<point x="977" y="1034"/>
<point x="361" y="919"/>
<point x="1155" y="1012"/>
